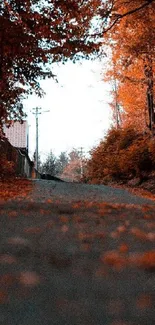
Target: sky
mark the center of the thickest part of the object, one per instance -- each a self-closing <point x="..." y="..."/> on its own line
<point x="78" y="109"/>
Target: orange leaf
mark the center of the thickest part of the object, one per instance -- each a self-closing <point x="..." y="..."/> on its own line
<point x="48" y="201"/>
<point x="29" y="278"/>
<point x="113" y="258"/>
<point x="143" y="301"/>
<point x="3" y="297"/>
<point x="33" y="230"/>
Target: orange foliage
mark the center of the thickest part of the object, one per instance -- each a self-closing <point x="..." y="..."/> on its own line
<point x="42" y="39"/>
<point x="131" y="43"/>
<point x="123" y="154"/>
<point x="72" y="171"/>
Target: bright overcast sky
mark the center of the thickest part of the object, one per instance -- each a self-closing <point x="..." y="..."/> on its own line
<point x="79" y="112"/>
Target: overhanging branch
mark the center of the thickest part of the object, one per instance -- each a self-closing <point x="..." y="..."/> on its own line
<point x="130" y="12"/>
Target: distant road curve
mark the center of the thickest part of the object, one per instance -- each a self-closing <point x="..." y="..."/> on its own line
<point x="71" y="192"/>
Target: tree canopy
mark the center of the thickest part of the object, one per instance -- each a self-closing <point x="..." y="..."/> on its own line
<point x="35" y="34"/>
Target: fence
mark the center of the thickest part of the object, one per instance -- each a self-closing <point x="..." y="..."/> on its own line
<point x="22" y="163"/>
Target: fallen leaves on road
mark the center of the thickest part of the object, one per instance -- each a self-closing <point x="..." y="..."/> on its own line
<point x="144" y="260"/>
<point x="56" y="244"/>
<point x="136" y="191"/>
<point x="118" y="260"/>
<point x="12" y="188"/>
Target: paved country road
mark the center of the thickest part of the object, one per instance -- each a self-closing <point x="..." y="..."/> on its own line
<point x="77" y="254"/>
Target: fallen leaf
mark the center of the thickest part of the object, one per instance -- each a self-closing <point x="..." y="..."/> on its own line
<point x="18" y="241"/>
<point x="143" y="301"/>
<point x="49" y="201"/>
<point x="7" y="259"/>
<point x="123" y="248"/>
<point x="113" y="258"/>
<point x="144" y="260"/>
<point x="29" y="278"/>
<point x="64" y="228"/>
<point x="7" y="280"/>
<point x="33" y="230"/>
<point x="3" y="297"/>
<point x="64" y="219"/>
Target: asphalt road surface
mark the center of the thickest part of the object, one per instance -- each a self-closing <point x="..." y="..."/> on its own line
<point x="77" y="254"/>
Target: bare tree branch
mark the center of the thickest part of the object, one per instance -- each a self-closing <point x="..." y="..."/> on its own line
<point x="119" y="16"/>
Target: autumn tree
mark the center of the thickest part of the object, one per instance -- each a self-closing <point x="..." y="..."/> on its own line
<point x="72" y="171"/>
<point x="132" y="41"/>
<point x="33" y="35"/>
<point x="122" y="155"/>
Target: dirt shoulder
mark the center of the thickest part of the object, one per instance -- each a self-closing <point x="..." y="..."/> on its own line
<point x="14" y="187"/>
<point x="146" y="189"/>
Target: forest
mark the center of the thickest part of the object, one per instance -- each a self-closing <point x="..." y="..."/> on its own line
<point x="35" y="34"/>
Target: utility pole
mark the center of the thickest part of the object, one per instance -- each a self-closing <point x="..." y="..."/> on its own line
<point x="36" y="113"/>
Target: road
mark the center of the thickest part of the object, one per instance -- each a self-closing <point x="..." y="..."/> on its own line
<point x="77" y="254"/>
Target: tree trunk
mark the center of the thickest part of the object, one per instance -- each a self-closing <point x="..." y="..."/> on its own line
<point x="149" y="92"/>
